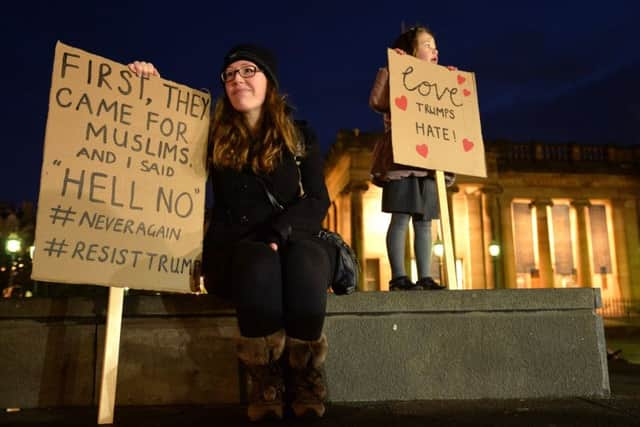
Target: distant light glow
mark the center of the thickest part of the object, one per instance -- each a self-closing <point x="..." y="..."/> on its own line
<point x="438" y="248"/>
<point x="14" y="244"/>
<point x="494" y="249"/>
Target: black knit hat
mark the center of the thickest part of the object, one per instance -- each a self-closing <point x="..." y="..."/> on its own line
<point x="262" y="57"/>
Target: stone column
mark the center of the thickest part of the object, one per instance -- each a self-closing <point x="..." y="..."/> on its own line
<point x="627" y="245"/>
<point x="620" y="244"/>
<point x="492" y="211"/>
<point x="584" y="261"/>
<point x="356" y="190"/>
<point x="477" y="246"/>
<point x="508" y="249"/>
<point x="544" y="245"/>
<point x="632" y="223"/>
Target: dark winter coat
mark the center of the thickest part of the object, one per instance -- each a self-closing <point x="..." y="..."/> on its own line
<point x="242" y="210"/>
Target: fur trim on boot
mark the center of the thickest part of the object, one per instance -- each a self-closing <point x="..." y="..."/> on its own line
<point x="305" y="380"/>
<point x="260" y="357"/>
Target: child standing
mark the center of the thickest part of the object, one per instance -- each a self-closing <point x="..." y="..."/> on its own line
<point x="407" y="192"/>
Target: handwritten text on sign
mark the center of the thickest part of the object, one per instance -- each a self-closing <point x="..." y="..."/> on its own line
<point x="435" y="120"/>
<point x="122" y="186"/>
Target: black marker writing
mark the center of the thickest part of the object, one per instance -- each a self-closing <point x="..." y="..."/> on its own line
<point x="137" y="143"/>
<point x="445" y="113"/>
<point x="186" y="102"/>
<point x="425" y="88"/>
<point x="119" y="112"/>
<point x="97" y="188"/>
<point x="433" y="131"/>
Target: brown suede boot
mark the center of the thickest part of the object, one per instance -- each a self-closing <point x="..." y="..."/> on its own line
<point x="305" y="383"/>
<point x="260" y="357"/>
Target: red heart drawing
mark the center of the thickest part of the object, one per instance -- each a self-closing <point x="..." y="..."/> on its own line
<point x="423" y="150"/>
<point x="466" y="92"/>
<point x="401" y="102"/>
<point x="461" y="79"/>
<point x="467" y="145"/>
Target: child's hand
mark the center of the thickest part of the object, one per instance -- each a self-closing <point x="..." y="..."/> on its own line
<point x="145" y="68"/>
<point x="399" y="51"/>
<point x="452" y="68"/>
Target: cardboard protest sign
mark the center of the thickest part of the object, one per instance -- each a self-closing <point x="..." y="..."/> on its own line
<point x="435" y="120"/>
<point x="123" y="177"/>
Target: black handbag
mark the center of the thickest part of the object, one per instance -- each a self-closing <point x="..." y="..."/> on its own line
<point x="346" y="274"/>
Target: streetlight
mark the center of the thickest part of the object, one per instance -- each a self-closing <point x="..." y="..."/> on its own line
<point x="438" y="248"/>
<point x="494" y="251"/>
<point x="13" y="246"/>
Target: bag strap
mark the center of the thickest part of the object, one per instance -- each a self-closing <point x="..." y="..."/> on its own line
<point x="272" y="199"/>
<point x="297" y="156"/>
<point x="299" y="153"/>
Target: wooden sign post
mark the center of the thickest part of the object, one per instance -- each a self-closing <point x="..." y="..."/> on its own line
<point x="121" y="199"/>
<point x="435" y="124"/>
<point x="445" y="231"/>
<point x="109" y="377"/>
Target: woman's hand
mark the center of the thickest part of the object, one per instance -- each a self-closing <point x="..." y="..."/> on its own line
<point x="145" y="68"/>
<point x="274" y="246"/>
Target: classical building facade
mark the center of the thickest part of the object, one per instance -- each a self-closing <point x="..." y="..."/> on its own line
<point x="562" y="215"/>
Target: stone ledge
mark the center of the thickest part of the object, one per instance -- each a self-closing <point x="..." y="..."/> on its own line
<point x="358" y="303"/>
<point x="179" y="349"/>
<point x="466" y="301"/>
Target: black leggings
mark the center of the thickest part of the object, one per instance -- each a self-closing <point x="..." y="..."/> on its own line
<point x="286" y="289"/>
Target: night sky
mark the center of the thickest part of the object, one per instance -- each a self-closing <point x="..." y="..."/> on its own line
<point x="546" y="70"/>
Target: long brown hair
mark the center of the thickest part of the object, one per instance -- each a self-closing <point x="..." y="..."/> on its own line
<point x="232" y="139"/>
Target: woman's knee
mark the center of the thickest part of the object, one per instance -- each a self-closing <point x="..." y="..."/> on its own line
<point x="306" y="270"/>
<point x="254" y="256"/>
<point x="255" y="265"/>
<point x="306" y="258"/>
<point x="256" y="281"/>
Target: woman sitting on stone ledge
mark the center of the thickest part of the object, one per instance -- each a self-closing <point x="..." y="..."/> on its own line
<point x="267" y="261"/>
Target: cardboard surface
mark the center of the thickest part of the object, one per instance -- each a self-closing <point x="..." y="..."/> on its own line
<point x="435" y="120"/>
<point x="123" y="177"/>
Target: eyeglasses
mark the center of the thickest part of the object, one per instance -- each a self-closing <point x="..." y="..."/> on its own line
<point x="245" y="72"/>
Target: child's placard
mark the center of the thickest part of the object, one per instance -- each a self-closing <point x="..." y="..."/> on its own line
<point x="123" y="177"/>
<point x="435" y="120"/>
